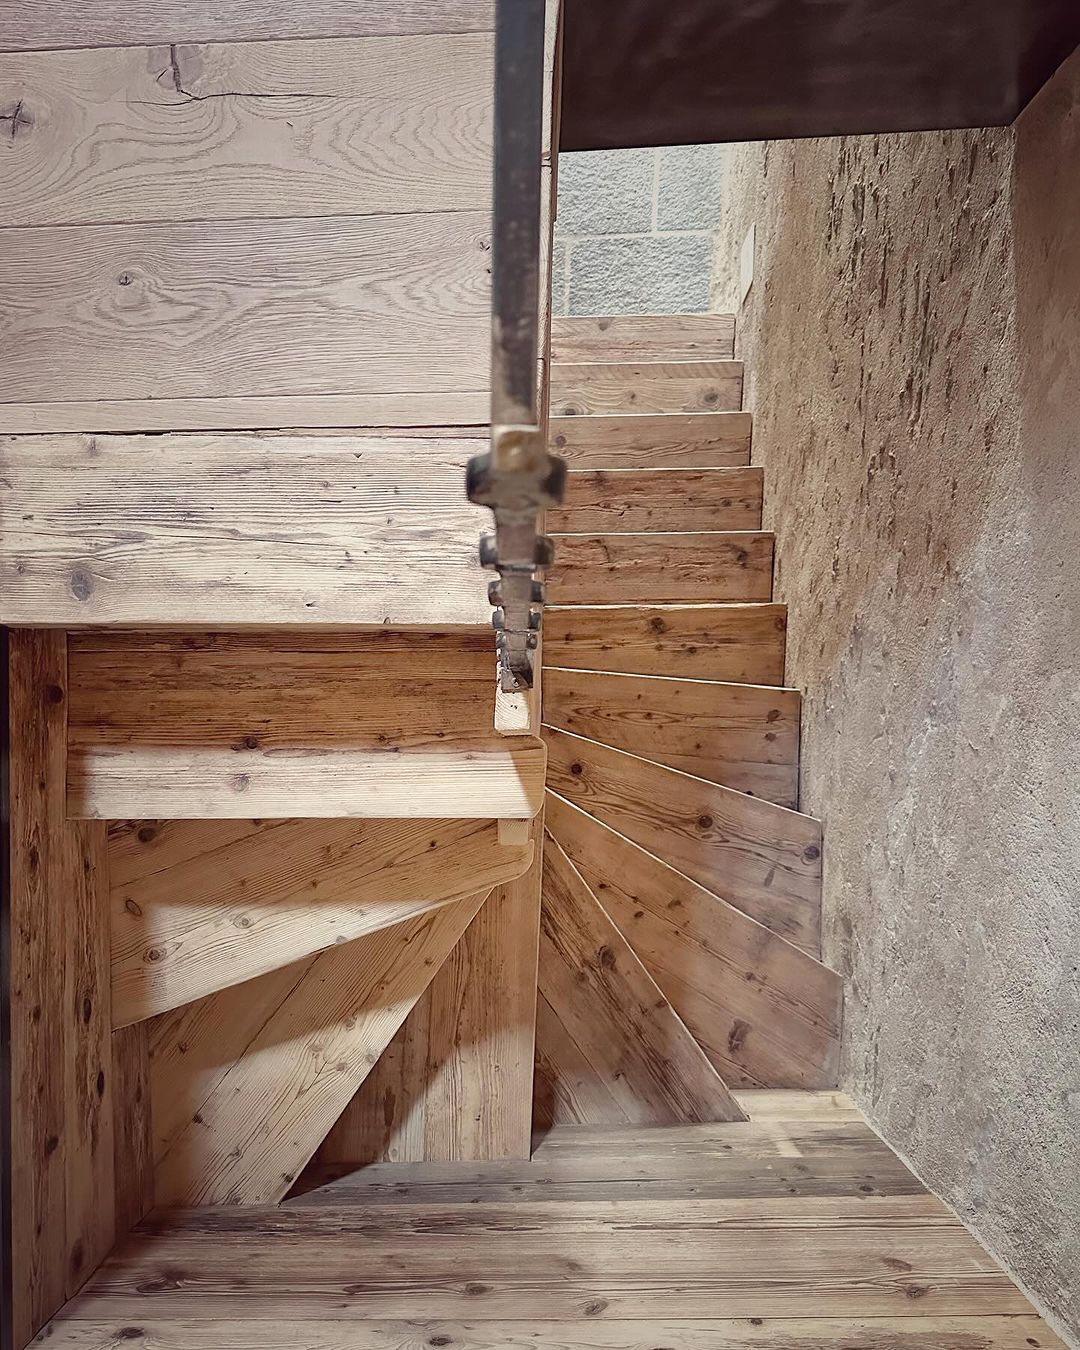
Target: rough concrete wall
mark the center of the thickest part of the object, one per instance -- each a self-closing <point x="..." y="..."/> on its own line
<point x="636" y="230"/>
<point x="913" y="334"/>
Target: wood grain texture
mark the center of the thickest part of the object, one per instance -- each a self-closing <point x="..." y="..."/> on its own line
<point x="98" y="23"/>
<point x="61" y="1063"/>
<point x="745" y="736"/>
<point x="742" y="643"/>
<point x="636" y="569"/>
<point x="133" y="1138"/>
<point x="761" y="858"/>
<point x="502" y="777"/>
<point x="323" y="127"/>
<point x="566" y="1087"/>
<point x="643" y="337"/>
<point x="579" y="387"/>
<point x="271" y="691"/>
<point x="259" y="1127"/>
<point x="615" y="1014"/>
<point x="765" y="1013"/>
<point x="652" y="441"/>
<point x="456" y="1081"/>
<point x="241" y="308"/>
<point x="239" y="530"/>
<point x="624" y="501"/>
<point x="1007" y="1332"/>
<point x="242" y="907"/>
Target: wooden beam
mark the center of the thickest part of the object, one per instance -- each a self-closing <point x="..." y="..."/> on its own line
<point x="643" y="337"/>
<point x="133" y="1139"/>
<point x="502" y="777"/>
<point x="760" y="858"/>
<point x="228" y="531"/>
<point x="249" y="1140"/>
<point x="636" y="569"/>
<point x="744" y="643"/>
<point x="321" y="127"/>
<point x="614" y="1012"/>
<point x="652" y="441"/>
<point x="745" y="736"/>
<point x="764" y="1012"/>
<point x="625" y="501"/>
<point x="645" y="387"/>
<point x="240" y="908"/>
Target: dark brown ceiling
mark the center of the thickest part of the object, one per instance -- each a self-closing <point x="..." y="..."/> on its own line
<point x="670" y="72"/>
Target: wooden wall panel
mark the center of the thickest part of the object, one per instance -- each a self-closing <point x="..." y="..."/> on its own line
<point x="346" y="126"/>
<point x="61" y="1061"/>
<point x="133" y="1135"/>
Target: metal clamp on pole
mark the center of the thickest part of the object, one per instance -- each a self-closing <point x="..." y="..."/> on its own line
<point x="519" y="478"/>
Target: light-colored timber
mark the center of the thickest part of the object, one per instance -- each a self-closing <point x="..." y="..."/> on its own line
<point x="624" y="501"/>
<point x="579" y="387"/>
<point x="244" y="906"/>
<point x="745" y="736"/>
<point x="226" y="531"/>
<point x="615" y="1014"/>
<point x="456" y="1082"/>
<point x="250" y="1138"/>
<point x="324" y="127"/>
<point x="652" y="441"/>
<point x="620" y="569"/>
<point x="743" y="643"/>
<point x="643" y="337"/>
<point x="764" y="1012"/>
<point x="761" y="858"/>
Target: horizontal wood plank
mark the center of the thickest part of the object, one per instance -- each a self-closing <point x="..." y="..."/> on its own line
<point x="765" y="1013"/>
<point x="235" y="530"/>
<point x="98" y="23"/>
<point x="643" y="337"/>
<point x="652" y="441"/>
<point x="745" y="736"/>
<point x="743" y="643"/>
<point x="249" y="906"/>
<point x="761" y="858"/>
<point x="633" y="500"/>
<point x="622" y="569"/>
<point x="645" y="387"/>
<point x="324" y="127"/>
<point x="385" y="304"/>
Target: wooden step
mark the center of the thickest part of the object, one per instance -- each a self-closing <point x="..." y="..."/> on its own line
<point x="764" y="1011"/>
<point x="742" y="735"/>
<point x="645" y="387"/>
<point x="652" y="440"/>
<point x="761" y="858"/>
<point x="625" y="569"/>
<point x="633" y="500"/>
<point x="643" y="337"/>
<point x="744" y="643"/>
<point x="238" y="530"/>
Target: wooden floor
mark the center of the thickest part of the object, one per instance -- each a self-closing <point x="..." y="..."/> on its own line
<point x="799" y="1229"/>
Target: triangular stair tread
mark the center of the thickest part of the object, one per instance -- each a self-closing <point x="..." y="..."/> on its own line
<point x="652" y="440"/>
<point x="762" y="858"/>
<point x="764" y="1011"/>
<point x="731" y="566"/>
<point x="743" y="736"/>
<point x="615" y="1013"/>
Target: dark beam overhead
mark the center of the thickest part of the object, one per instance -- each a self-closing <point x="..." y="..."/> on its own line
<point x="671" y="72"/>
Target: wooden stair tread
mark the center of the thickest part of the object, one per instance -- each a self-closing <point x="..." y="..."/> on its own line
<point x="668" y="499"/>
<point x="652" y="440"/>
<point x="579" y="387"/>
<point x="657" y="337"/>
<point x="742" y="735"/>
<point x="650" y="568"/>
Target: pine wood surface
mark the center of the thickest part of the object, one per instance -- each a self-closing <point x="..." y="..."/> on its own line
<point x="641" y="569"/>
<point x="744" y="736"/>
<point x="652" y="440"/>
<point x="743" y="643"/>
<point x="625" y="501"/>
<point x="581" y="387"/>
<point x="652" y="337"/>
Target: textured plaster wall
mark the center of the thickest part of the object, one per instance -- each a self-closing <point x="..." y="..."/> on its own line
<point x="636" y="230"/>
<point x="913" y="333"/>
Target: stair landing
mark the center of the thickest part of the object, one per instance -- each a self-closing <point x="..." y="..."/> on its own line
<point x="798" y="1229"/>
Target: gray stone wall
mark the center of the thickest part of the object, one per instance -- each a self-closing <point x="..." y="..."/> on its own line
<point x="912" y="340"/>
<point x="636" y="230"/>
